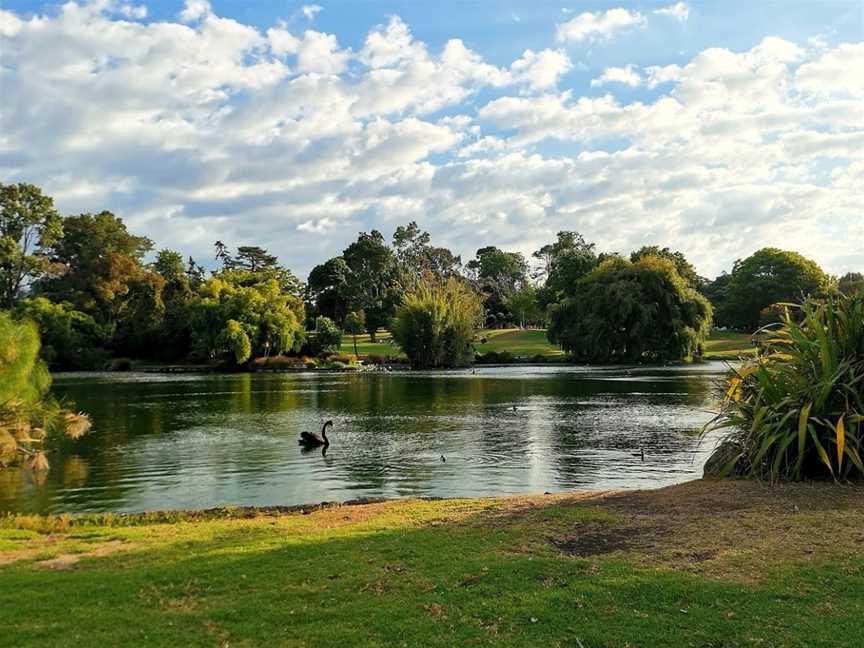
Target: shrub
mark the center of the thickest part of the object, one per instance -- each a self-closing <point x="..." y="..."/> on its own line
<point x="505" y="357"/>
<point x="490" y="357"/>
<point x="796" y="410"/>
<point x="376" y="359"/>
<point x="120" y="364"/>
<point x="435" y="324"/>
<point x="539" y="358"/>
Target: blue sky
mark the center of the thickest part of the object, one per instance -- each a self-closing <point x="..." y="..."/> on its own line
<point x="710" y="127"/>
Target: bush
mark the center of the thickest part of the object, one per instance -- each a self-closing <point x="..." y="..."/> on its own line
<point x="539" y="358"/>
<point x="376" y="359"/>
<point x="490" y="357"/>
<point x="344" y="358"/>
<point x="435" y="324"/>
<point x="120" y="364"/>
<point x="796" y="410"/>
<point x="505" y="357"/>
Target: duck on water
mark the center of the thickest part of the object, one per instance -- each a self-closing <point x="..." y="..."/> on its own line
<point x="313" y="439"/>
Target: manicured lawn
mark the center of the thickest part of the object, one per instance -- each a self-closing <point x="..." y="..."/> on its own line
<point x="519" y="342"/>
<point x="727" y="345"/>
<point x="529" y="342"/>
<point x="703" y="564"/>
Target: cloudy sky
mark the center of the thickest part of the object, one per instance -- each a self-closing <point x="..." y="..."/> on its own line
<point x="716" y="128"/>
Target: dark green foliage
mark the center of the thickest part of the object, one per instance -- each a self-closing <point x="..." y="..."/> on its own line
<point x="851" y="283"/>
<point x="29" y="228"/>
<point x="631" y="312"/>
<point x="373" y="279"/>
<point x="796" y="409"/>
<point x="563" y="264"/>
<point x="327" y="337"/>
<point x="355" y="323"/>
<point x="100" y="260"/>
<point x="769" y="276"/>
<point x="70" y="339"/>
<point x="435" y="323"/>
<point x="327" y="288"/>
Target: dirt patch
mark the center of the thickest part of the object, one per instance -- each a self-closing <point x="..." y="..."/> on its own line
<point x="728" y="529"/>
<point x="602" y="540"/>
<point x="65" y="561"/>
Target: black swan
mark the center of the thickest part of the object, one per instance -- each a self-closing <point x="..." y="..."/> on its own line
<point x="311" y="439"/>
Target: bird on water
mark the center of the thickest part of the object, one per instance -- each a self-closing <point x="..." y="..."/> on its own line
<point x="313" y="439"/>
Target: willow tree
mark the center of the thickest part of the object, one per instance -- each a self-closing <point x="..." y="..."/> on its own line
<point x="29" y="416"/>
<point x="631" y="312"/>
<point x="436" y="321"/>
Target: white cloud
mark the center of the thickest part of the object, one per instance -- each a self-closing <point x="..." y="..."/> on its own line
<point x="320" y="53"/>
<point x="195" y="10"/>
<point x="598" y="26"/>
<point x="680" y="11"/>
<point x="310" y="10"/>
<point x="542" y="69"/>
<point x="626" y="75"/>
<point x="213" y="128"/>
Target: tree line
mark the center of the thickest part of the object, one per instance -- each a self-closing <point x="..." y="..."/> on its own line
<point x="97" y="291"/>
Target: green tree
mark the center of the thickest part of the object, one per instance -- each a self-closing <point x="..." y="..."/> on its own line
<point x="769" y="276"/>
<point x="235" y="340"/>
<point x="682" y="265"/>
<point x="416" y="257"/>
<point x="29" y="416"/>
<point x="851" y="283"/>
<point x="355" y="323"/>
<point x="631" y="312"/>
<point x="71" y="340"/>
<point x="328" y="336"/>
<point x="271" y="319"/>
<point x="29" y="228"/>
<point x="436" y="321"/>
<point x="497" y="274"/>
<point x="100" y="260"/>
<point x="327" y="288"/>
<point x="373" y="279"/>
<point x="523" y="305"/>
<point x="169" y="264"/>
<point x="564" y="263"/>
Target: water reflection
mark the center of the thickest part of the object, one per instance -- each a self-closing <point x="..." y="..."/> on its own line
<point x="198" y="441"/>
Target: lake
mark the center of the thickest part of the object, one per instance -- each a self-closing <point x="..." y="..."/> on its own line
<point x="198" y="441"/>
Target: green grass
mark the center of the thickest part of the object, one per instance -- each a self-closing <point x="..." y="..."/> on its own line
<point x="529" y="342"/>
<point x="519" y="342"/>
<point x="728" y="564"/>
<point x="728" y="345"/>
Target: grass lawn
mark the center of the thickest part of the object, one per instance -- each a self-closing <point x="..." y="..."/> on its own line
<point x="529" y="342"/>
<point x="519" y="342"/>
<point x="727" y="345"/>
<point x="703" y="564"/>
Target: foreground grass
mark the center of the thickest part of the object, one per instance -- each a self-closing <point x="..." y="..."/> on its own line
<point x="728" y="345"/>
<point x="703" y="564"/>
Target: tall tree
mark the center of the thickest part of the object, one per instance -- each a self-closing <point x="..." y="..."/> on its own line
<point x="851" y="283"/>
<point x="769" y="276"/>
<point x="355" y="322"/>
<point x="100" y="260"/>
<point x="373" y="280"/>
<point x="327" y="288"/>
<point x="497" y="275"/>
<point x="682" y="265"/>
<point x="29" y="228"/>
<point x="563" y="263"/>
<point x="169" y="264"/>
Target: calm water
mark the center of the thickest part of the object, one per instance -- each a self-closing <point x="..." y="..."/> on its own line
<point x="188" y="442"/>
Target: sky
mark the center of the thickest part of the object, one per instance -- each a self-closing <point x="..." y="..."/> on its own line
<point x="715" y="128"/>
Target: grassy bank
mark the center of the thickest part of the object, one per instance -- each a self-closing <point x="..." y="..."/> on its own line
<point x="728" y="345"/>
<point x="531" y="342"/>
<point x="703" y="564"/>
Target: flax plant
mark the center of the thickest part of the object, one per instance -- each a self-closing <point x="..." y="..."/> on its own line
<point x="796" y="409"/>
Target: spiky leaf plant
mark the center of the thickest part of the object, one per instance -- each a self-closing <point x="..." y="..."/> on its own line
<point x="796" y="409"/>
